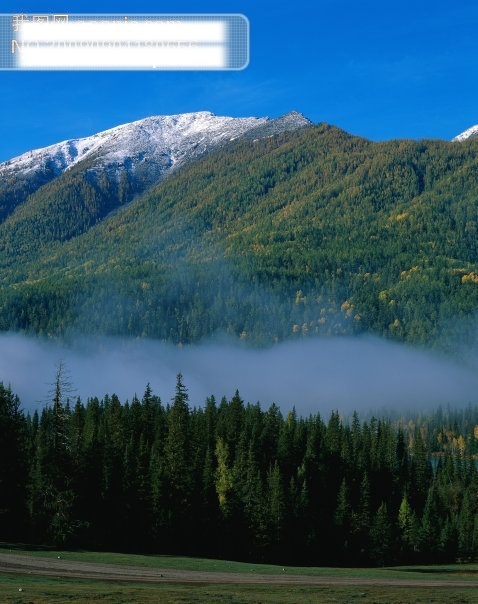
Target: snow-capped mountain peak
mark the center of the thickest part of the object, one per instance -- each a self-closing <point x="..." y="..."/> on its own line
<point x="158" y="143"/>
<point x="469" y="133"/>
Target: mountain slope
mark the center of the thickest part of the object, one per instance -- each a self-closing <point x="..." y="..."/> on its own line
<point x="124" y="161"/>
<point x="312" y="231"/>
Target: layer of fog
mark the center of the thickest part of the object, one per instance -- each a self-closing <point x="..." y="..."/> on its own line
<point x="314" y="375"/>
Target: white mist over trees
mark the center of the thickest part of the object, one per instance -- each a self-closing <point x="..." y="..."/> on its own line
<point x="314" y="375"/>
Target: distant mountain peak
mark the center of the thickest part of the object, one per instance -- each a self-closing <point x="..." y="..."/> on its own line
<point x="471" y="132"/>
<point x="298" y="114"/>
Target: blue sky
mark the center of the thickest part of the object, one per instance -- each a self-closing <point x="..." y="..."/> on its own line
<point x="377" y="69"/>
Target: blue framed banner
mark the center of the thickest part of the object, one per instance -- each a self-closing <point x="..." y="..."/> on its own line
<point x="149" y="42"/>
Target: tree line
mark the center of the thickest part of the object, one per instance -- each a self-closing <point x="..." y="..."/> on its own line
<point x="230" y="479"/>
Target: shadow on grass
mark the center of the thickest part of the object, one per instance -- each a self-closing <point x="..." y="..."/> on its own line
<point x="446" y="570"/>
<point x="27" y="547"/>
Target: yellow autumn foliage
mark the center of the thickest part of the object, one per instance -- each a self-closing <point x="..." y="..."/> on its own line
<point x="470" y="278"/>
<point x="224" y="480"/>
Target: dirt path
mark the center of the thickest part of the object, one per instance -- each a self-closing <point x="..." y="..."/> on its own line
<point x="20" y="564"/>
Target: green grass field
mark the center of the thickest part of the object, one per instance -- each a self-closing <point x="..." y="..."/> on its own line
<point x="43" y="590"/>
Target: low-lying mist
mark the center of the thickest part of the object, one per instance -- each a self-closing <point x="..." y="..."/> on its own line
<point x="314" y="375"/>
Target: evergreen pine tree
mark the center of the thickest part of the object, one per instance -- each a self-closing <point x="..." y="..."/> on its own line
<point x="178" y="467"/>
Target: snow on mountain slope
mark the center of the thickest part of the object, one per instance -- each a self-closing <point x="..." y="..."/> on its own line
<point x="469" y="133"/>
<point x="154" y="145"/>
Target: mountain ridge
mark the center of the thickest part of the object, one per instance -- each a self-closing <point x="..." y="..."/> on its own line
<point x="161" y="130"/>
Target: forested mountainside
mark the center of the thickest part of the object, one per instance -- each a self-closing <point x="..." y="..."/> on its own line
<point x="237" y="481"/>
<point x="313" y="231"/>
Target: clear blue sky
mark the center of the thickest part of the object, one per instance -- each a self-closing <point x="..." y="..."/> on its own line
<point x="382" y="70"/>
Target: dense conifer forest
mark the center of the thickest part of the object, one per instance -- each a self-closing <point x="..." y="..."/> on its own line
<point x="230" y="479"/>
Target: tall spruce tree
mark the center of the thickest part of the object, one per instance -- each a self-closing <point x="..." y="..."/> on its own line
<point x="178" y="467"/>
<point x="53" y="495"/>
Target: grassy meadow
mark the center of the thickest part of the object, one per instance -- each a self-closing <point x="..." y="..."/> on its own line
<point x="33" y="589"/>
